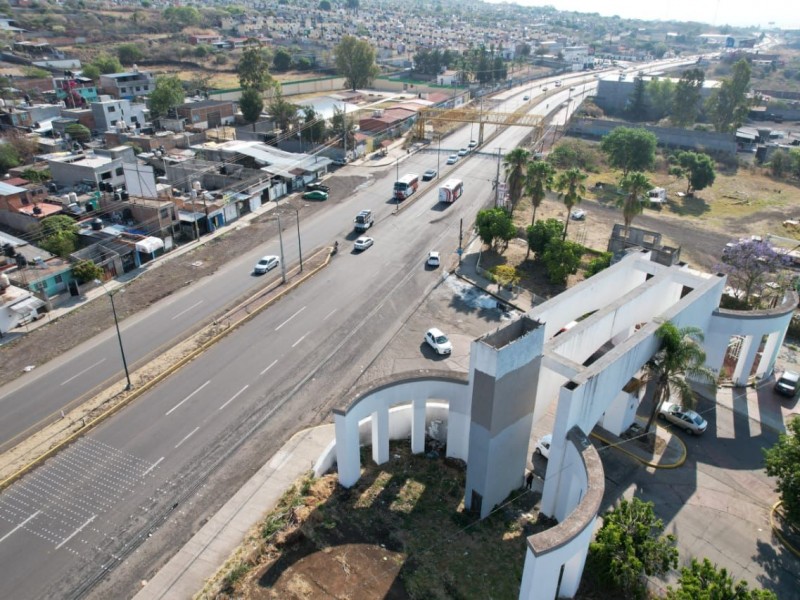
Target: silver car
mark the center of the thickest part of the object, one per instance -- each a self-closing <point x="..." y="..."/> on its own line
<point x="683" y="418"/>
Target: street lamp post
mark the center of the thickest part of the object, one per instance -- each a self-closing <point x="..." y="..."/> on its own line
<point x="119" y="335"/>
<point x="397" y="178"/>
<point x="280" y="241"/>
<point x="439" y="157"/>
<point x="299" y="245"/>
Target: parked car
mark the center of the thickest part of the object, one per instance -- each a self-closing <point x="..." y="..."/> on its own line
<point x="433" y="259"/>
<point x="340" y="161"/>
<point x="315" y="185"/>
<point x="315" y="195"/>
<point x="577" y="214"/>
<point x="363" y="243"/>
<point x="788" y="384"/>
<point x="438" y="341"/>
<point x="429" y="174"/>
<point x="266" y="263"/>
<point x="543" y="445"/>
<point x="473" y="144"/>
<point x="463" y="152"/>
<point x="452" y="159"/>
<point x="526" y="98"/>
<point x="683" y="418"/>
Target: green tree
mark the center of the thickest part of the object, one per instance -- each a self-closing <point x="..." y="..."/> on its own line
<point x="251" y="104"/>
<point x="679" y="356"/>
<point x="86" y="270"/>
<point x="574" y="153"/>
<point x="515" y="164"/>
<point x="494" y="226"/>
<point x="780" y="163"/>
<point x="571" y="190"/>
<point x="59" y="235"/>
<point x="782" y="462"/>
<point x="635" y="185"/>
<point x="9" y="158"/>
<point x="705" y="581"/>
<point x="78" y="132"/>
<point x="341" y="124"/>
<point x="129" y="54"/>
<point x="541" y="233"/>
<point x="505" y="275"/>
<point x="538" y="181"/>
<point x="105" y="64"/>
<point x="629" y="545"/>
<point x="561" y="259"/>
<point x="660" y="95"/>
<point x="181" y="16"/>
<point x="325" y="5"/>
<point x="283" y="112"/>
<point x="598" y="264"/>
<point x="686" y="100"/>
<point x="253" y="68"/>
<point x="91" y="71"/>
<point x="167" y="95"/>
<point x="697" y="167"/>
<point x="313" y="125"/>
<point x="630" y="149"/>
<point x="282" y="60"/>
<point x="355" y="60"/>
<point x="637" y="103"/>
<point x="729" y="103"/>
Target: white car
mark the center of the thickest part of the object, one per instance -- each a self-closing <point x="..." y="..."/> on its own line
<point x="452" y="159"/>
<point x="463" y="152"/>
<point x="686" y="419"/>
<point x="578" y="214"/>
<point x="433" y="259"/>
<point x="473" y="144"/>
<point x="543" y="445"/>
<point x="363" y="243"/>
<point x="267" y="263"/>
<point x="438" y="341"/>
<point x="526" y="98"/>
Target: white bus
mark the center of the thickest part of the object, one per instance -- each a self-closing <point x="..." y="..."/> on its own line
<point x="406" y="185"/>
<point x="451" y="190"/>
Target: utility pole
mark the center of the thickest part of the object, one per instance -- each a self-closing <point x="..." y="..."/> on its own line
<point x="497" y="180"/>
<point x="344" y="128"/>
<point x="460" y="239"/>
<point x="280" y="239"/>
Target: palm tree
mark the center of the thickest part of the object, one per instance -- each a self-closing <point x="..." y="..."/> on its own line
<point x="569" y="185"/>
<point x="679" y="356"/>
<point x="538" y="181"/>
<point x="515" y="164"/>
<point x="635" y="184"/>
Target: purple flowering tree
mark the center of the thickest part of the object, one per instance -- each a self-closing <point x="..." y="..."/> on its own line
<point x="753" y="267"/>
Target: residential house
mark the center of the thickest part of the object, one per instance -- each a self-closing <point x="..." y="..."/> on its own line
<point x="17" y="305"/>
<point x="207" y="114"/>
<point x="86" y="169"/>
<point x="121" y="113"/>
<point x="21" y="210"/>
<point x="128" y="85"/>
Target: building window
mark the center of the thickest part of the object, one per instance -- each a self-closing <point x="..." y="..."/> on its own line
<point x="120" y="171"/>
<point x="112" y="109"/>
<point x="164" y="213"/>
<point x="59" y="279"/>
<point x="106" y="175"/>
<point x="25" y="201"/>
<point x="138" y="88"/>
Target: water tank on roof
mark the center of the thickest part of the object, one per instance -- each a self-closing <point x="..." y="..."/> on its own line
<point x="196" y="186"/>
<point x="4" y="282"/>
<point x="73" y="198"/>
<point x="97" y="224"/>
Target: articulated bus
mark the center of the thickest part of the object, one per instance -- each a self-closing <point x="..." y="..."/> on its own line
<point x="406" y="185"/>
<point x="451" y="190"/>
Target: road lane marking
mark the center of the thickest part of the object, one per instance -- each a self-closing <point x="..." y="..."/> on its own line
<point x="330" y="314"/>
<point x="89" y="368"/>
<point x="300" y="340"/>
<point x="290" y="318"/>
<point x="76" y="532"/>
<point x="153" y="466"/>
<point x="272" y="364"/>
<point x="20" y="526"/>
<point x="234" y="397"/>
<point x="187" y="397"/>
<point x="190" y="434"/>
<point x="184" y="311"/>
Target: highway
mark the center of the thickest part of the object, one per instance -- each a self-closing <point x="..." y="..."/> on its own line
<point x="67" y="524"/>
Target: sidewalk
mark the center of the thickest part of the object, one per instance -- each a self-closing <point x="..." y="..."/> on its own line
<point x="200" y="558"/>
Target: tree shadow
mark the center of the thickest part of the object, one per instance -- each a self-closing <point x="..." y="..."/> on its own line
<point x="780" y="567"/>
<point x="691" y="206"/>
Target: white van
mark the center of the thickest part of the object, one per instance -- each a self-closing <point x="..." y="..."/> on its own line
<point x="657" y="196"/>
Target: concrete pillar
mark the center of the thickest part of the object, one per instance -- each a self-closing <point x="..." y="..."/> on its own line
<point x="716" y="347"/>
<point x="380" y="435"/>
<point x="539" y="577"/>
<point x="770" y="354"/>
<point x="348" y="456"/>
<point x="573" y="568"/>
<point x="747" y="356"/>
<point x="418" y="425"/>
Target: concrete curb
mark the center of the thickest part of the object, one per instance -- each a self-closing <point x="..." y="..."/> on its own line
<point x="648" y="463"/>
<point x="160" y="377"/>
<point x="777" y="533"/>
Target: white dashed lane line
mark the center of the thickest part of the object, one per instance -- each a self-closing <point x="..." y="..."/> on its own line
<point x="272" y="364"/>
<point x="290" y="318"/>
<point x="187" y="397"/>
<point x="76" y="532"/>
<point x="232" y="398"/>
<point x="184" y="311"/>
<point x="190" y="434"/>
<point x="89" y="368"/>
<point x="20" y="526"/>
<point x="300" y="340"/>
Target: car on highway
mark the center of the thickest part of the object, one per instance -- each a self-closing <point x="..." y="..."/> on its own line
<point x="266" y="263"/>
<point x="438" y="341"/>
<point x="543" y="445"/>
<point x="463" y="152"/>
<point x="429" y="174"/>
<point x="433" y="259"/>
<point x="472" y="144"/>
<point x="577" y="214"/>
<point x="340" y="162"/>
<point x="315" y="195"/>
<point x="452" y="159"/>
<point x="787" y="384"/>
<point x="558" y="84"/>
<point x="316" y="185"/>
<point x="363" y="243"/>
<point x="683" y="418"/>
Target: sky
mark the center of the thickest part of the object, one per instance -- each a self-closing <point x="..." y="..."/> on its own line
<point x="783" y="13"/>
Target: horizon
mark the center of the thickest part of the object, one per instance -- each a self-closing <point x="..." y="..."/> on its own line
<point x="735" y="13"/>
